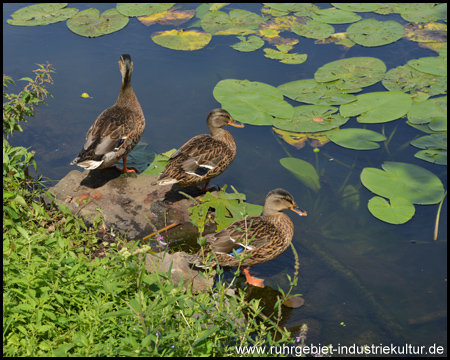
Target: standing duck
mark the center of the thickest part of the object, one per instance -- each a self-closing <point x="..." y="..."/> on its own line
<point x="117" y="130"/>
<point x="267" y="237"/>
<point x="204" y="156"/>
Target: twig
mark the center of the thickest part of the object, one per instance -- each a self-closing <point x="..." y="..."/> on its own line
<point x="163" y="229"/>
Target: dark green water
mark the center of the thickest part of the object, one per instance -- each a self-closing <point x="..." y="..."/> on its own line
<point x="386" y="283"/>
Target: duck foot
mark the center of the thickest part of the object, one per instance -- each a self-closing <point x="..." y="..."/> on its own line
<point x="252" y="280"/>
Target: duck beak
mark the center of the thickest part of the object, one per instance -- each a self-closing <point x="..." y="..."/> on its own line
<point x="297" y="210"/>
<point x="235" y="123"/>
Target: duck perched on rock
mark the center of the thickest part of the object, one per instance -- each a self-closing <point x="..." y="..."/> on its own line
<point x="267" y="237"/>
<point x="117" y="130"/>
<point x="204" y="156"/>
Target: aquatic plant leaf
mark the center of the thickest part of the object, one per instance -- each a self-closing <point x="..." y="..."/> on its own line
<point x="303" y="171"/>
<point x="299" y="140"/>
<point x="371" y="32"/>
<point x="238" y="22"/>
<point x="252" y="102"/>
<point x="284" y="57"/>
<point x="311" y="92"/>
<point x="430" y="65"/>
<point x="378" y="107"/>
<point x="352" y="73"/>
<point x="159" y="162"/>
<point x="141" y="9"/>
<point x="182" y="40"/>
<point x="412" y="182"/>
<point x="306" y="117"/>
<point x="335" y="16"/>
<point x="279" y="24"/>
<point x="357" y="7"/>
<point x="435" y="148"/>
<point x="168" y="17"/>
<point x="246" y="45"/>
<point x="358" y="139"/>
<point x="288" y="7"/>
<point x="426" y="33"/>
<point x="399" y="211"/>
<point x="423" y="12"/>
<point x="41" y="14"/>
<point x="337" y="38"/>
<point x="406" y="79"/>
<point x="90" y="23"/>
<point x="432" y="112"/>
<point x="313" y="29"/>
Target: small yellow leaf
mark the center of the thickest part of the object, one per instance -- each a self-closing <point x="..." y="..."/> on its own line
<point x="85" y="96"/>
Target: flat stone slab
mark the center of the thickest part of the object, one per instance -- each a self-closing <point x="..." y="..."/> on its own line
<point x="126" y="201"/>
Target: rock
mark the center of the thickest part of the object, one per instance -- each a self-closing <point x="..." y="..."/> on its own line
<point x="180" y="270"/>
<point x="125" y="201"/>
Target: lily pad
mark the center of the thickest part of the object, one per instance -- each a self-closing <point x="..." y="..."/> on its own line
<point x="430" y="65"/>
<point x="352" y="73"/>
<point x="246" y="45"/>
<point x="412" y="182"/>
<point x="357" y="7"/>
<point x="435" y="148"/>
<point x="206" y="8"/>
<point x="335" y="16"/>
<point x="168" y="17"/>
<point x="378" y="107"/>
<point x="311" y="92"/>
<point x="303" y="171"/>
<point x="238" y="22"/>
<point x="371" y="32"/>
<point x="252" y="102"/>
<point x="406" y="79"/>
<point x="358" y="139"/>
<point x="299" y="140"/>
<point x="90" y="23"/>
<point x="311" y="118"/>
<point x="423" y="12"/>
<point x="399" y="211"/>
<point x="158" y="163"/>
<point x="284" y="57"/>
<point x="432" y="112"/>
<point x="41" y="14"/>
<point x="288" y="7"/>
<point x="182" y="40"/>
<point x="141" y="9"/>
<point x="313" y="29"/>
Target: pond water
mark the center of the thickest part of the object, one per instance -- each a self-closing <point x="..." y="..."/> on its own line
<point x="364" y="281"/>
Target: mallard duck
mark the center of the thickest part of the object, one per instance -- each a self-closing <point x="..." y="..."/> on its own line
<point x="117" y="130"/>
<point x="271" y="233"/>
<point x="204" y="156"/>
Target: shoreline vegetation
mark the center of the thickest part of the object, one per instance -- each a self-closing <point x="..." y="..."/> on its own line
<point x="60" y="299"/>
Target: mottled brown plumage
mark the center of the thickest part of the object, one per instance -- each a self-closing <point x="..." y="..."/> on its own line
<point x="271" y="232"/>
<point x="204" y="156"/>
<point x="117" y="130"/>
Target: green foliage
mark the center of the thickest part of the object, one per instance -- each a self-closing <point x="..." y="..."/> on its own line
<point x="90" y="23"/>
<point x="358" y="139"/>
<point x="370" y="32"/>
<point x="41" y="14"/>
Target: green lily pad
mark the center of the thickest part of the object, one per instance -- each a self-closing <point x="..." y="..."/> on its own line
<point x="352" y="73"/>
<point x="246" y="45"/>
<point x="378" y="107"/>
<point x="399" y="211"/>
<point x="90" y="23"/>
<point x="206" y="8"/>
<point x="417" y="185"/>
<point x="432" y="112"/>
<point x="335" y="16"/>
<point x="238" y="22"/>
<point x="309" y="91"/>
<point x="313" y="29"/>
<point x="284" y="57"/>
<point x="430" y="65"/>
<point x="303" y="171"/>
<point x="311" y="118"/>
<point x="182" y="40"/>
<point x="252" y="102"/>
<point x="159" y="163"/>
<point x="371" y="32"/>
<point x="141" y="9"/>
<point x="357" y="7"/>
<point x="41" y="14"/>
<point x="358" y="139"/>
<point x="288" y="7"/>
<point x="435" y="148"/>
<point x="406" y="79"/>
<point x="423" y="12"/>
